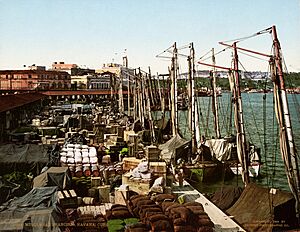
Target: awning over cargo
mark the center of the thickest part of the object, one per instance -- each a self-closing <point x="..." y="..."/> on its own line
<point x="36" y="211"/>
<point x="54" y="176"/>
<point x="12" y="101"/>
<point x="173" y="148"/>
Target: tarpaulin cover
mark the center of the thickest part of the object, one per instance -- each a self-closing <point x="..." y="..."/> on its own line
<point x="221" y="149"/>
<point x="36" y="211"/>
<point x="27" y="158"/>
<point x="225" y="150"/>
<point x="173" y="148"/>
<point x="253" y="209"/>
<point x="7" y="189"/>
<point x="226" y="197"/>
<point x="54" y="176"/>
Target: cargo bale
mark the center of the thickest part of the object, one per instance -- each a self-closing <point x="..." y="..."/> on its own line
<point x="179" y="222"/>
<point x="144" y="202"/>
<point x="119" y="207"/>
<point x="186" y="228"/>
<point x="195" y="208"/>
<point x="135" y="199"/>
<point x="157" y="217"/>
<point x="161" y="225"/>
<point x="163" y="197"/>
<point x="175" y="205"/>
<point x="143" y="212"/>
<point x="166" y="204"/>
<point x="205" y="229"/>
<point x="121" y="214"/>
<point x="194" y="203"/>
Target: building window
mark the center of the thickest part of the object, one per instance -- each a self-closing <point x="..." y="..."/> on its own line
<point x="29" y="76"/>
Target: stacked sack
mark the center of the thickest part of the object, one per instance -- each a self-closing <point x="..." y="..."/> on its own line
<point x="187" y="217"/>
<point x="118" y="211"/>
<point x="80" y="159"/>
<point x="200" y="217"/>
<point x="150" y="213"/>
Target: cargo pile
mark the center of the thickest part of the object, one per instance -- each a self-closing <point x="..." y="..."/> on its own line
<point x="81" y="159"/>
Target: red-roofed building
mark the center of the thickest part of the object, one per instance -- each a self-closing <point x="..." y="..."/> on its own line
<point x="34" y="79"/>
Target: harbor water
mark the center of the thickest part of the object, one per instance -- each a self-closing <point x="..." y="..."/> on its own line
<point x="261" y="129"/>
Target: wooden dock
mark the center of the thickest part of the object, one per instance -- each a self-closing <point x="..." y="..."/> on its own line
<point x="221" y="221"/>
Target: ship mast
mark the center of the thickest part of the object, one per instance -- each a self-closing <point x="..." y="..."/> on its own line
<point x="135" y="96"/>
<point x="191" y="93"/>
<point x="121" y="101"/>
<point x="215" y="107"/>
<point x="239" y="120"/>
<point x="174" y="112"/>
<point x="287" y="145"/>
<point x="125" y="64"/>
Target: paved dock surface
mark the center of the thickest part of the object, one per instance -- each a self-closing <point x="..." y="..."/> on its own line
<point x="222" y="221"/>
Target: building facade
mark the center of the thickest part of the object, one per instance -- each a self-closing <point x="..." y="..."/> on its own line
<point x="79" y="82"/>
<point x="92" y="81"/>
<point x="34" y="80"/>
<point x="102" y="82"/>
<point x="61" y="66"/>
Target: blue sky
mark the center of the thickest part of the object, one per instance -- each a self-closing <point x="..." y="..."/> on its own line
<point x="91" y="32"/>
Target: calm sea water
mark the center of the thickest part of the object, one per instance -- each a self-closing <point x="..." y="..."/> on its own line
<point x="261" y="129"/>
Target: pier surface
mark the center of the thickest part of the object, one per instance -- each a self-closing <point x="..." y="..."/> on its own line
<point x="221" y="221"/>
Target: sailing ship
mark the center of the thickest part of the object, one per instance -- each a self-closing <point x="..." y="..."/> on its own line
<point x="231" y="149"/>
<point x="192" y="156"/>
<point x="267" y="208"/>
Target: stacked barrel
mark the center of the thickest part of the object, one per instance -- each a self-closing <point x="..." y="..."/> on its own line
<point x="81" y="159"/>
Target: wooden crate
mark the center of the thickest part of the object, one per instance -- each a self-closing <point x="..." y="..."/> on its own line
<point x="125" y="178"/>
<point x="130" y="163"/>
<point x="67" y="198"/>
<point x="121" y="196"/>
<point x="158" y="166"/>
<point x="139" y="186"/>
<point x="152" y="153"/>
<point x="127" y="134"/>
<point x="104" y="193"/>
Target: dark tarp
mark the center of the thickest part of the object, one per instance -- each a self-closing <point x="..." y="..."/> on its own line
<point x="23" y="158"/>
<point x="36" y="211"/>
<point x="174" y="148"/>
<point x="226" y="197"/>
<point x="253" y="210"/>
<point x="54" y="176"/>
<point x="7" y="189"/>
